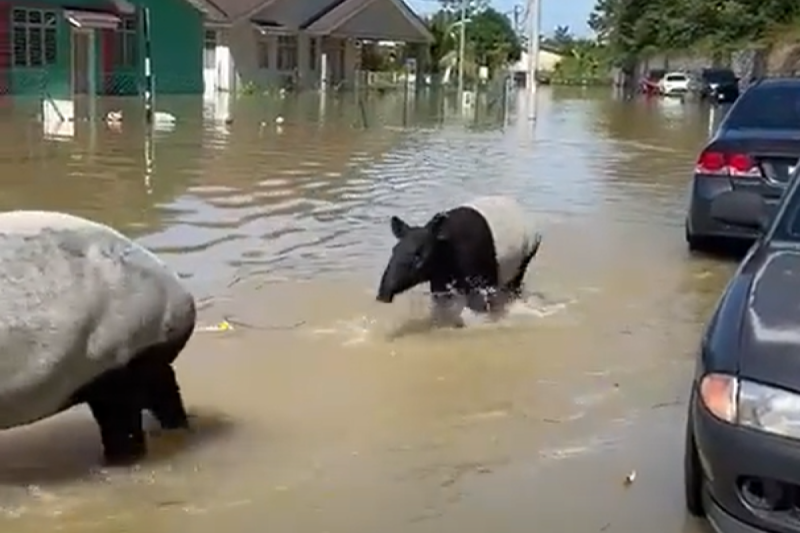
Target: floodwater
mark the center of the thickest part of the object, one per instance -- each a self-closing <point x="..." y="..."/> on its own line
<point x="323" y="411"/>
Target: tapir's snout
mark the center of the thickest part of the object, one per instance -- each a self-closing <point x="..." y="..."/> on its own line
<point x="385" y="298"/>
<point x="385" y="290"/>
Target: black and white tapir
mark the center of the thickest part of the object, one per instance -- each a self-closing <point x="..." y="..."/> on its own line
<point x="88" y="316"/>
<point x="477" y="252"/>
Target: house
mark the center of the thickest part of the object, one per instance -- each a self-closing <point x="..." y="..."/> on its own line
<point x="312" y="43"/>
<point x="548" y="59"/>
<point x="67" y="47"/>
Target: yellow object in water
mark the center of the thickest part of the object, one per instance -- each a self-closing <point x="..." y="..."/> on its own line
<point x="222" y="326"/>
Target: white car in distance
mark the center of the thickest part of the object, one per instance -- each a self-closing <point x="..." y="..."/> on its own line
<point x="674" y="84"/>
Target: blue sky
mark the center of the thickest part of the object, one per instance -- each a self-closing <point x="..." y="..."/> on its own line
<point x="572" y="13"/>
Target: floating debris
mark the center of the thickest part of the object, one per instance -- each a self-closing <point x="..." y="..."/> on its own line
<point x="222" y="326"/>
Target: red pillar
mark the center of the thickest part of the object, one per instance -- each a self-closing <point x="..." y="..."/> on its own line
<point x="107" y="58"/>
<point x="5" y="48"/>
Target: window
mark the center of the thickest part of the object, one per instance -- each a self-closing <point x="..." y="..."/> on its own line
<point x="263" y="53"/>
<point x="126" y="43"/>
<point x="312" y="53"/>
<point x="34" y="37"/>
<point x="768" y="106"/>
<point x="210" y="49"/>
<point x="287" y="52"/>
<point x="718" y="75"/>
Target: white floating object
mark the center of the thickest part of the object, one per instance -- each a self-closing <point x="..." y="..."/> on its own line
<point x="58" y="118"/>
<point x="160" y="116"/>
<point x="114" y="117"/>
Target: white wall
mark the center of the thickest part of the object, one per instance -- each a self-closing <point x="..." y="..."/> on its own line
<point x="218" y="77"/>
<point x="242" y="50"/>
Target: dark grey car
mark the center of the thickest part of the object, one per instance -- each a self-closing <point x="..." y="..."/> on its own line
<point x="742" y="445"/>
<point x="717" y="85"/>
<point x="756" y="149"/>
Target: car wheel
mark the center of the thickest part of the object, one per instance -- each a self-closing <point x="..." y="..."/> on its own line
<point x="697" y="243"/>
<point x="692" y="476"/>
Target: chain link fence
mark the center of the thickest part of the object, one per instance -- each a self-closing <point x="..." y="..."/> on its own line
<point x="37" y="82"/>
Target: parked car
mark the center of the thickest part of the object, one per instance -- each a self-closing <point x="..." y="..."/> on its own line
<point x="742" y="446"/>
<point x="674" y="84"/>
<point x="717" y="85"/>
<point x="755" y="148"/>
<point x="649" y="84"/>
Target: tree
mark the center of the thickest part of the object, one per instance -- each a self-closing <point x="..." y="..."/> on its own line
<point x="562" y="38"/>
<point x="472" y="6"/>
<point x="636" y="28"/>
<point x="441" y="27"/>
<point x="492" y="38"/>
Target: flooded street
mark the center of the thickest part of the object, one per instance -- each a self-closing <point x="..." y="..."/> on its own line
<point x="321" y="410"/>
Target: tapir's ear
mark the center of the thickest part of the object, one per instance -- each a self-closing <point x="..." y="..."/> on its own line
<point x="399" y="228"/>
<point x="437" y="227"/>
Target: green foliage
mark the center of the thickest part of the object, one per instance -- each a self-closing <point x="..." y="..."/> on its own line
<point x="490" y="37"/>
<point x="441" y="27"/>
<point x="585" y="62"/>
<point x="636" y="28"/>
<point x="562" y="39"/>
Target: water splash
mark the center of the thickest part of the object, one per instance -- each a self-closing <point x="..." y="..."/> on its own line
<point x="355" y="331"/>
<point x="364" y="328"/>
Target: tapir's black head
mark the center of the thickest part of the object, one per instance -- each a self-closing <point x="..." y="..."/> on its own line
<point x="412" y="257"/>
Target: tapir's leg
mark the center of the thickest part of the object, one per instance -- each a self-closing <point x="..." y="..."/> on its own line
<point x="446" y="307"/>
<point x="163" y="395"/>
<point x="514" y="287"/>
<point x="156" y="378"/>
<point x="115" y="403"/>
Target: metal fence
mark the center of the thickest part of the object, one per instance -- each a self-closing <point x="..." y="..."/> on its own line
<point x="37" y="82"/>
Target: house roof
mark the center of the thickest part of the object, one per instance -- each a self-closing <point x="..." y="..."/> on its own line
<point x="226" y="10"/>
<point x="310" y="15"/>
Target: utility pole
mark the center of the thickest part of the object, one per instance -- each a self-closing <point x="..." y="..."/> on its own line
<point x="534" y="17"/>
<point x="462" y="47"/>
<point x="517" y="13"/>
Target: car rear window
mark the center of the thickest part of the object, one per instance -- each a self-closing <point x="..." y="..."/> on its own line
<point x="765" y="107"/>
<point x="676" y="77"/>
<point x="719" y="76"/>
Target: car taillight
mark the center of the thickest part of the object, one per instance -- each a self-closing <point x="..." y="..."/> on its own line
<point x="727" y="164"/>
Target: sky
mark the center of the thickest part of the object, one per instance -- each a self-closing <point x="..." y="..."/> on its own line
<point x="572" y="13"/>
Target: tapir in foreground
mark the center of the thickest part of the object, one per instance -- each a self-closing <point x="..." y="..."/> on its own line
<point x="473" y="255"/>
<point x="88" y="316"/>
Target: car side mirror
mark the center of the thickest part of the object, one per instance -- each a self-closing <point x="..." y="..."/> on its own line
<point x="742" y="209"/>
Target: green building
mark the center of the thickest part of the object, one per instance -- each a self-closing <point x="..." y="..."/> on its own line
<point x="65" y="47"/>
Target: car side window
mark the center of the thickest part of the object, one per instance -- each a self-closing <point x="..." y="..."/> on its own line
<point x="766" y="108"/>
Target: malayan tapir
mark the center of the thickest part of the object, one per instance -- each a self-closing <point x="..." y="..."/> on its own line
<point x="473" y="255"/>
<point x="89" y="316"/>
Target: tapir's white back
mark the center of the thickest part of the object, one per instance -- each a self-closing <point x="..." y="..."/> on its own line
<point x="77" y="298"/>
<point x="512" y="232"/>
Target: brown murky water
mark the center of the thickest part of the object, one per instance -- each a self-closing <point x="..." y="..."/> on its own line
<point x="316" y="413"/>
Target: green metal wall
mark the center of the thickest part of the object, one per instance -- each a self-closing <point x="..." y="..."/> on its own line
<point x="55" y="79"/>
<point x="176" y="39"/>
<point x="176" y="31"/>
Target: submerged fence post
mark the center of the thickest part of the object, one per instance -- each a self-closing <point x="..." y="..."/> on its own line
<point x="149" y="86"/>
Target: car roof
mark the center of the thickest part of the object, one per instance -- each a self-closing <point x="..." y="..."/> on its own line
<point x="677" y="73"/>
<point x="777" y="82"/>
